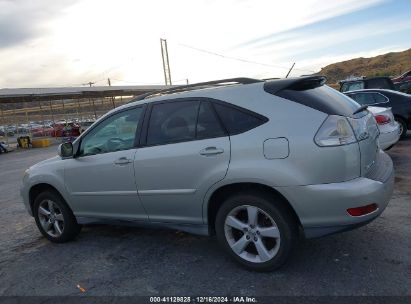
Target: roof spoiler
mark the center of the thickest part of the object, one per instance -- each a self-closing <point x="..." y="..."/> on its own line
<point x="295" y="84"/>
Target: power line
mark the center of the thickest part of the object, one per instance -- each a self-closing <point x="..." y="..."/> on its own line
<point x="239" y="59"/>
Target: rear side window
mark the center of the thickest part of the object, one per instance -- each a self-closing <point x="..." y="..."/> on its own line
<point x="379" y="98"/>
<point x="172" y="122"/>
<point x="208" y="125"/>
<point x="369" y="98"/>
<point x="238" y="121"/>
<point x="364" y="98"/>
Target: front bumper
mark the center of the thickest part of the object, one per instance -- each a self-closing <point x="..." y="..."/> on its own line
<point x="24" y="192"/>
<point x="322" y="209"/>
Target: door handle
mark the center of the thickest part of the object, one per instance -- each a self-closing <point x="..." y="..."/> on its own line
<point x="211" y="151"/>
<point x="122" y="161"/>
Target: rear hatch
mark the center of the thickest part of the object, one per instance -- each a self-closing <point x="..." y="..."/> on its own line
<point x="311" y="92"/>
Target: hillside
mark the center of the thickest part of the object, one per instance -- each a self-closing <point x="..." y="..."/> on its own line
<point x="390" y="64"/>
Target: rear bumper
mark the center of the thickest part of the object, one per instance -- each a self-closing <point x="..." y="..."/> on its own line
<point x="322" y="209"/>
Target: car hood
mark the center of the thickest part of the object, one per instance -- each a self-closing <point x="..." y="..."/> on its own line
<point x="47" y="161"/>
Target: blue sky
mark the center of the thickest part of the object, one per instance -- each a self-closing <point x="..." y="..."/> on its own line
<point x="71" y="42"/>
<point x="371" y="21"/>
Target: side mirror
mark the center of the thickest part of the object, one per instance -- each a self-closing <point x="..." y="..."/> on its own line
<point x="65" y="150"/>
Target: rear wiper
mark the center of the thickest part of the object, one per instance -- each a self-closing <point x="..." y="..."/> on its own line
<point x="360" y="109"/>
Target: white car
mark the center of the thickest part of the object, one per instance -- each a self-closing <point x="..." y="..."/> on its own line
<point x="389" y="128"/>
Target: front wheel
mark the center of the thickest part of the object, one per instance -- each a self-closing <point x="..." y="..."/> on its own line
<point x="256" y="230"/>
<point x="54" y="218"/>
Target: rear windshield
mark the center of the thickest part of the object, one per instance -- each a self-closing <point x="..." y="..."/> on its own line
<point x="324" y="99"/>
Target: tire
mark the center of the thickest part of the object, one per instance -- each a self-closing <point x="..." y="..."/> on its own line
<point x="403" y="126"/>
<point x="272" y="218"/>
<point x="62" y="224"/>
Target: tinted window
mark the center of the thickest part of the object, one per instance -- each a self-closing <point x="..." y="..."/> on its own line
<point x="172" y="122"/>
<point x="324" y="99"/>
<point x="379" y="98"/>
<point x="208" y="125"/>
<point x="363" y="98"/>
<point x="237" y="121"/>
<point x="352" y="86"/>
<point x="378" y="83"/>
<point x="115" y="133"/>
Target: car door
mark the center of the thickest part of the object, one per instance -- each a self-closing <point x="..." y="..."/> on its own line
<point x="185" y="151"/>
<point x="100" y="178"/>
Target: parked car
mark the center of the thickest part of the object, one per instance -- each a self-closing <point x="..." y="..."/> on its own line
<point x="42" y="131"/>
<point x="389" y="128"/>
<point x="366" y="83"/>
<point x="254" y="162"/>
<point x="404" y="87"/>
<point x="404" y="77"/>
<point x="5" y="132"/>
<point x="400" y="104"/>
<point x="66" y="129"/>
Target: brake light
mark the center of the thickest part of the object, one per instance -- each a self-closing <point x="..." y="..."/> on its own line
<point x="382" y="119"/>
<point x="363" y="210"/>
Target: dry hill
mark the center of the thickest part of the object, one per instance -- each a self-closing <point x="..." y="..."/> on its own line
<point x="390" y="64"/>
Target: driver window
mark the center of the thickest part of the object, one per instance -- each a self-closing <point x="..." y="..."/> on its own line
<point x="115" y="133"/>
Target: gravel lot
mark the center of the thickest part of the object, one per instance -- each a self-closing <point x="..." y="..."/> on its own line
<point x="113" y="260"/>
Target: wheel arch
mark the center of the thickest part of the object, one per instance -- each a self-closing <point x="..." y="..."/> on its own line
<point x="217" y="198"/>
<point x="35" y="190"/>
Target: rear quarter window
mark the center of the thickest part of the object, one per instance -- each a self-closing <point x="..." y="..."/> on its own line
<point x="238" y="120"/>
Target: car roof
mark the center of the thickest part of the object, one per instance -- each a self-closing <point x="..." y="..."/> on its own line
<point x="371" y="90"/>
<point x="271" y="85"/>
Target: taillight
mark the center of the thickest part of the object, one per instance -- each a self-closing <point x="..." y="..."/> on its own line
<point x="335" y="131"/>
<point x="382" y="119"/>
<point x="363" y="210"/>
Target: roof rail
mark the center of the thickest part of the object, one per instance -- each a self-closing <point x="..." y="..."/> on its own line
<point x="189" y="87"/>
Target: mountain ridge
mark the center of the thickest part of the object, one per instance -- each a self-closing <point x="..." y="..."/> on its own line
<point x="389" y="64"/>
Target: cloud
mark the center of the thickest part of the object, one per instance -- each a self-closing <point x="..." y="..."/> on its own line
<point x="68" y="43"/>
<point x="22" y="20"/>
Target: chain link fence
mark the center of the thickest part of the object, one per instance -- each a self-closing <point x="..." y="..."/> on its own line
<point x="53" y="119"/>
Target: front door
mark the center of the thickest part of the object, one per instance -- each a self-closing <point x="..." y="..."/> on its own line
<point x="100" y="179"/>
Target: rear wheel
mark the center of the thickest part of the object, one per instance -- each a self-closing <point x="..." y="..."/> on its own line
<point x="256" y="230"/>
<point x="54" y="218"/>
<point x="403" y="127"/>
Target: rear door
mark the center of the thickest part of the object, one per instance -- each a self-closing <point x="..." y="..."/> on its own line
<point x="184" y="151"/>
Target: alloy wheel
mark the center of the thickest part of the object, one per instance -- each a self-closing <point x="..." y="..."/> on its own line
<point x="51" y="218"/>
<point x="252" y="234"/>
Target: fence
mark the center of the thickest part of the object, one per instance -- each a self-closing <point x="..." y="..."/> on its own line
<point x="54" y="119"/>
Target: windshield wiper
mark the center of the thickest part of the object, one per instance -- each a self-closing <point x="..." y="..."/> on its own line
<point x="360" y="109"/>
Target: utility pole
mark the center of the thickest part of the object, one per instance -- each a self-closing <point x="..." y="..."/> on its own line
<point x="109" y="81"/>
<point x="290" y="70"/>
<point x="166" y="63"/>
<point x="89" y="83"/>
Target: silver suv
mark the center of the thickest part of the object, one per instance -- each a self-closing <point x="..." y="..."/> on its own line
<point x="254" y="162"/>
